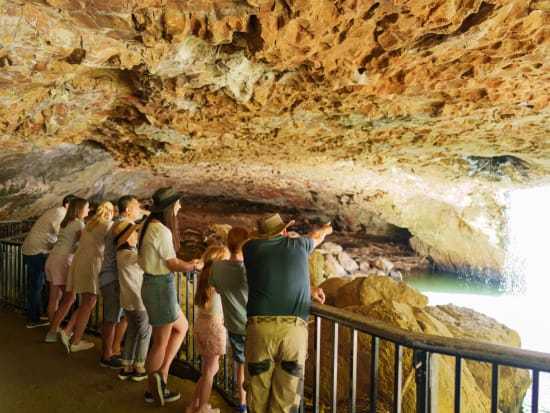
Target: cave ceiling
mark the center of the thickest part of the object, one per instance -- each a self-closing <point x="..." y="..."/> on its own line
<point x="416" y="115"/>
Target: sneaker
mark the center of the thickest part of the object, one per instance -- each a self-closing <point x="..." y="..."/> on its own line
<point x="65" y="339"/>
<point x="149" y="397"/>
<point x="113" y="362"/>
<point x="83" y="345"/>
<point x="172" y="396"/>
<point x="160" y="387"/>
<point x="125" y="375"/>
<point x="50" y="337"/>
<point x="136" y="376"/>
<point x="40" y="323"/>
<point x="242" y="408"/>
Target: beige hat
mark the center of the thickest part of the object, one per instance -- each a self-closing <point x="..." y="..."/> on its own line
<point x="122" y="231"/>
<point x="270" y="226"/>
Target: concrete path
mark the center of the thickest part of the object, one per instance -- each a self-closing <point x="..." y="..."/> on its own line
<point x="40" y="377"/>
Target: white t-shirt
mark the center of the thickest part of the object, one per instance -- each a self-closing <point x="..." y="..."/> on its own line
<point x="43" y="233"/>
<point x="67" y="241"/>
<point x="155" y="249"/>
<point x="130" y="277"/>
<point x="215" y="306"/>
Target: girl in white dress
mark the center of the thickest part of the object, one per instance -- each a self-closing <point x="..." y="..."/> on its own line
<point x="83" y="276"/>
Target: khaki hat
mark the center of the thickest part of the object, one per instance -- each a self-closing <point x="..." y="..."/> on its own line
<point x="270" y="226"/>
<point x="164" y="197"/>
<point x="122" y="231"/>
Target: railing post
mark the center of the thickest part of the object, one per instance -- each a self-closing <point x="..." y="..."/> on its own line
<point x="420" y="360"/>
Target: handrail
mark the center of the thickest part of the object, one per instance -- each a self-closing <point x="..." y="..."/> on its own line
<point x="13" y="282"/>
<point x="462" y="347"/>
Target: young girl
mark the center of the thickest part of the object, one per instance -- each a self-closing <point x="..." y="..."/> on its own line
<point x="59" y="261"/>
<point x="130" y="277"/>
<point x="209" y="333"/>
<point x="83" y="276"/>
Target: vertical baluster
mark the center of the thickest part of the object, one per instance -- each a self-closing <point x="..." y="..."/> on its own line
<point x="494" y="388"/>
<point x="375" y="348"/>
<point x="421" y="358"/>
<point x="317" y="363"/>
<point x="458" y="382"/>
<point x="398" y="379"/>
<point x="535" y="392"/>
<point x="334" y="387"/>
<point x="353" y="372"/>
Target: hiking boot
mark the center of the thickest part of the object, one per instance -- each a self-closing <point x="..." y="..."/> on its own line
<point x="83" y="345"/>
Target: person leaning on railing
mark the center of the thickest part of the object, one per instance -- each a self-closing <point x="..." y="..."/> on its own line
<point x="279" y="298"/>
<point x="158" y="245"/>
<point x="36" y="247"/>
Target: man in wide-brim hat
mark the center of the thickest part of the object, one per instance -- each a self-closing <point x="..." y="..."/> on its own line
<point x="279" y="298"/>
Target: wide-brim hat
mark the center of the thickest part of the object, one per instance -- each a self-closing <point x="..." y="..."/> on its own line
<point x="122" y="231"/>
<point x="164" y="197"/>
<point x="270" y="226"/>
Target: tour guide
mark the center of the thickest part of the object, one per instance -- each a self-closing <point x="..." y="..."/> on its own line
<point x="279" y="297"/>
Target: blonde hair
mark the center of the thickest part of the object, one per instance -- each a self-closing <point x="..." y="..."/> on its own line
<point x="102" y="214"/>
<point x="204" y="289"/>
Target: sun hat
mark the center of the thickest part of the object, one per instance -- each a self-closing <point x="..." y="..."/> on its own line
<point x="164" y="197"/>
<point x="122" y="231"/>
<point x="270" y="226"/>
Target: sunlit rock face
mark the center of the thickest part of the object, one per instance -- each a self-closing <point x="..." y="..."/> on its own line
<point x="383" y="116"/>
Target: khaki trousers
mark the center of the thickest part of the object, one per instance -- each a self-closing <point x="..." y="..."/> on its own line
<point x="275" y="354"/>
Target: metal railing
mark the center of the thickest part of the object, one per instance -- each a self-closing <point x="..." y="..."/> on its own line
<point x="414" y="354"/>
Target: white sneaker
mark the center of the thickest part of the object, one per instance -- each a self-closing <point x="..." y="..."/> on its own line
<point x="50" y="337"/>
<point x="83" y="345"/>
<point x="65" y="339"/>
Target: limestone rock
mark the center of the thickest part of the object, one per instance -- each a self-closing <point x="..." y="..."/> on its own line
<point x="365" y="291"/>
<point x="407" y="308"/>
<point x="395" y="119"/>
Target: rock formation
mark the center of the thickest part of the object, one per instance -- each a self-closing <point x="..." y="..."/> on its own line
<point x="391" y="118"/>
<point x="382" y="298"/>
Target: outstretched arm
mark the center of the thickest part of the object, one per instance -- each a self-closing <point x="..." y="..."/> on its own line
<point x="318" y="235"/>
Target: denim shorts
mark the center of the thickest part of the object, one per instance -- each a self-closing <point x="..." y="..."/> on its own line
<point x="237" y="345"/>
<point x="158" y="293"/>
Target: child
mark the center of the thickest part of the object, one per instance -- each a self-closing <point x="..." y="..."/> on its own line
<point x="210" y="333"/>
<point x="130" y="274"/>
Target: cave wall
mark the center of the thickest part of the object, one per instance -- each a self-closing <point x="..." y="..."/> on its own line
<point x="379" y="115"/>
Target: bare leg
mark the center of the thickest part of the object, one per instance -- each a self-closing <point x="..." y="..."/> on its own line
<point x="107" y="338"/>
<point x="54" y="298"/>
<point x="155" y="358"/>
<point x="203" y="388"/>
<point x="67" y="301"/>
<point x="83" y="316"/>
<point x="179" y="328"/>
<point x="240" y="381"/>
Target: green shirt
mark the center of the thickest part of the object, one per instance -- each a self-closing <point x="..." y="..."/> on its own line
<point x="229" y="280"/>
<point x="278" y="276"/>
